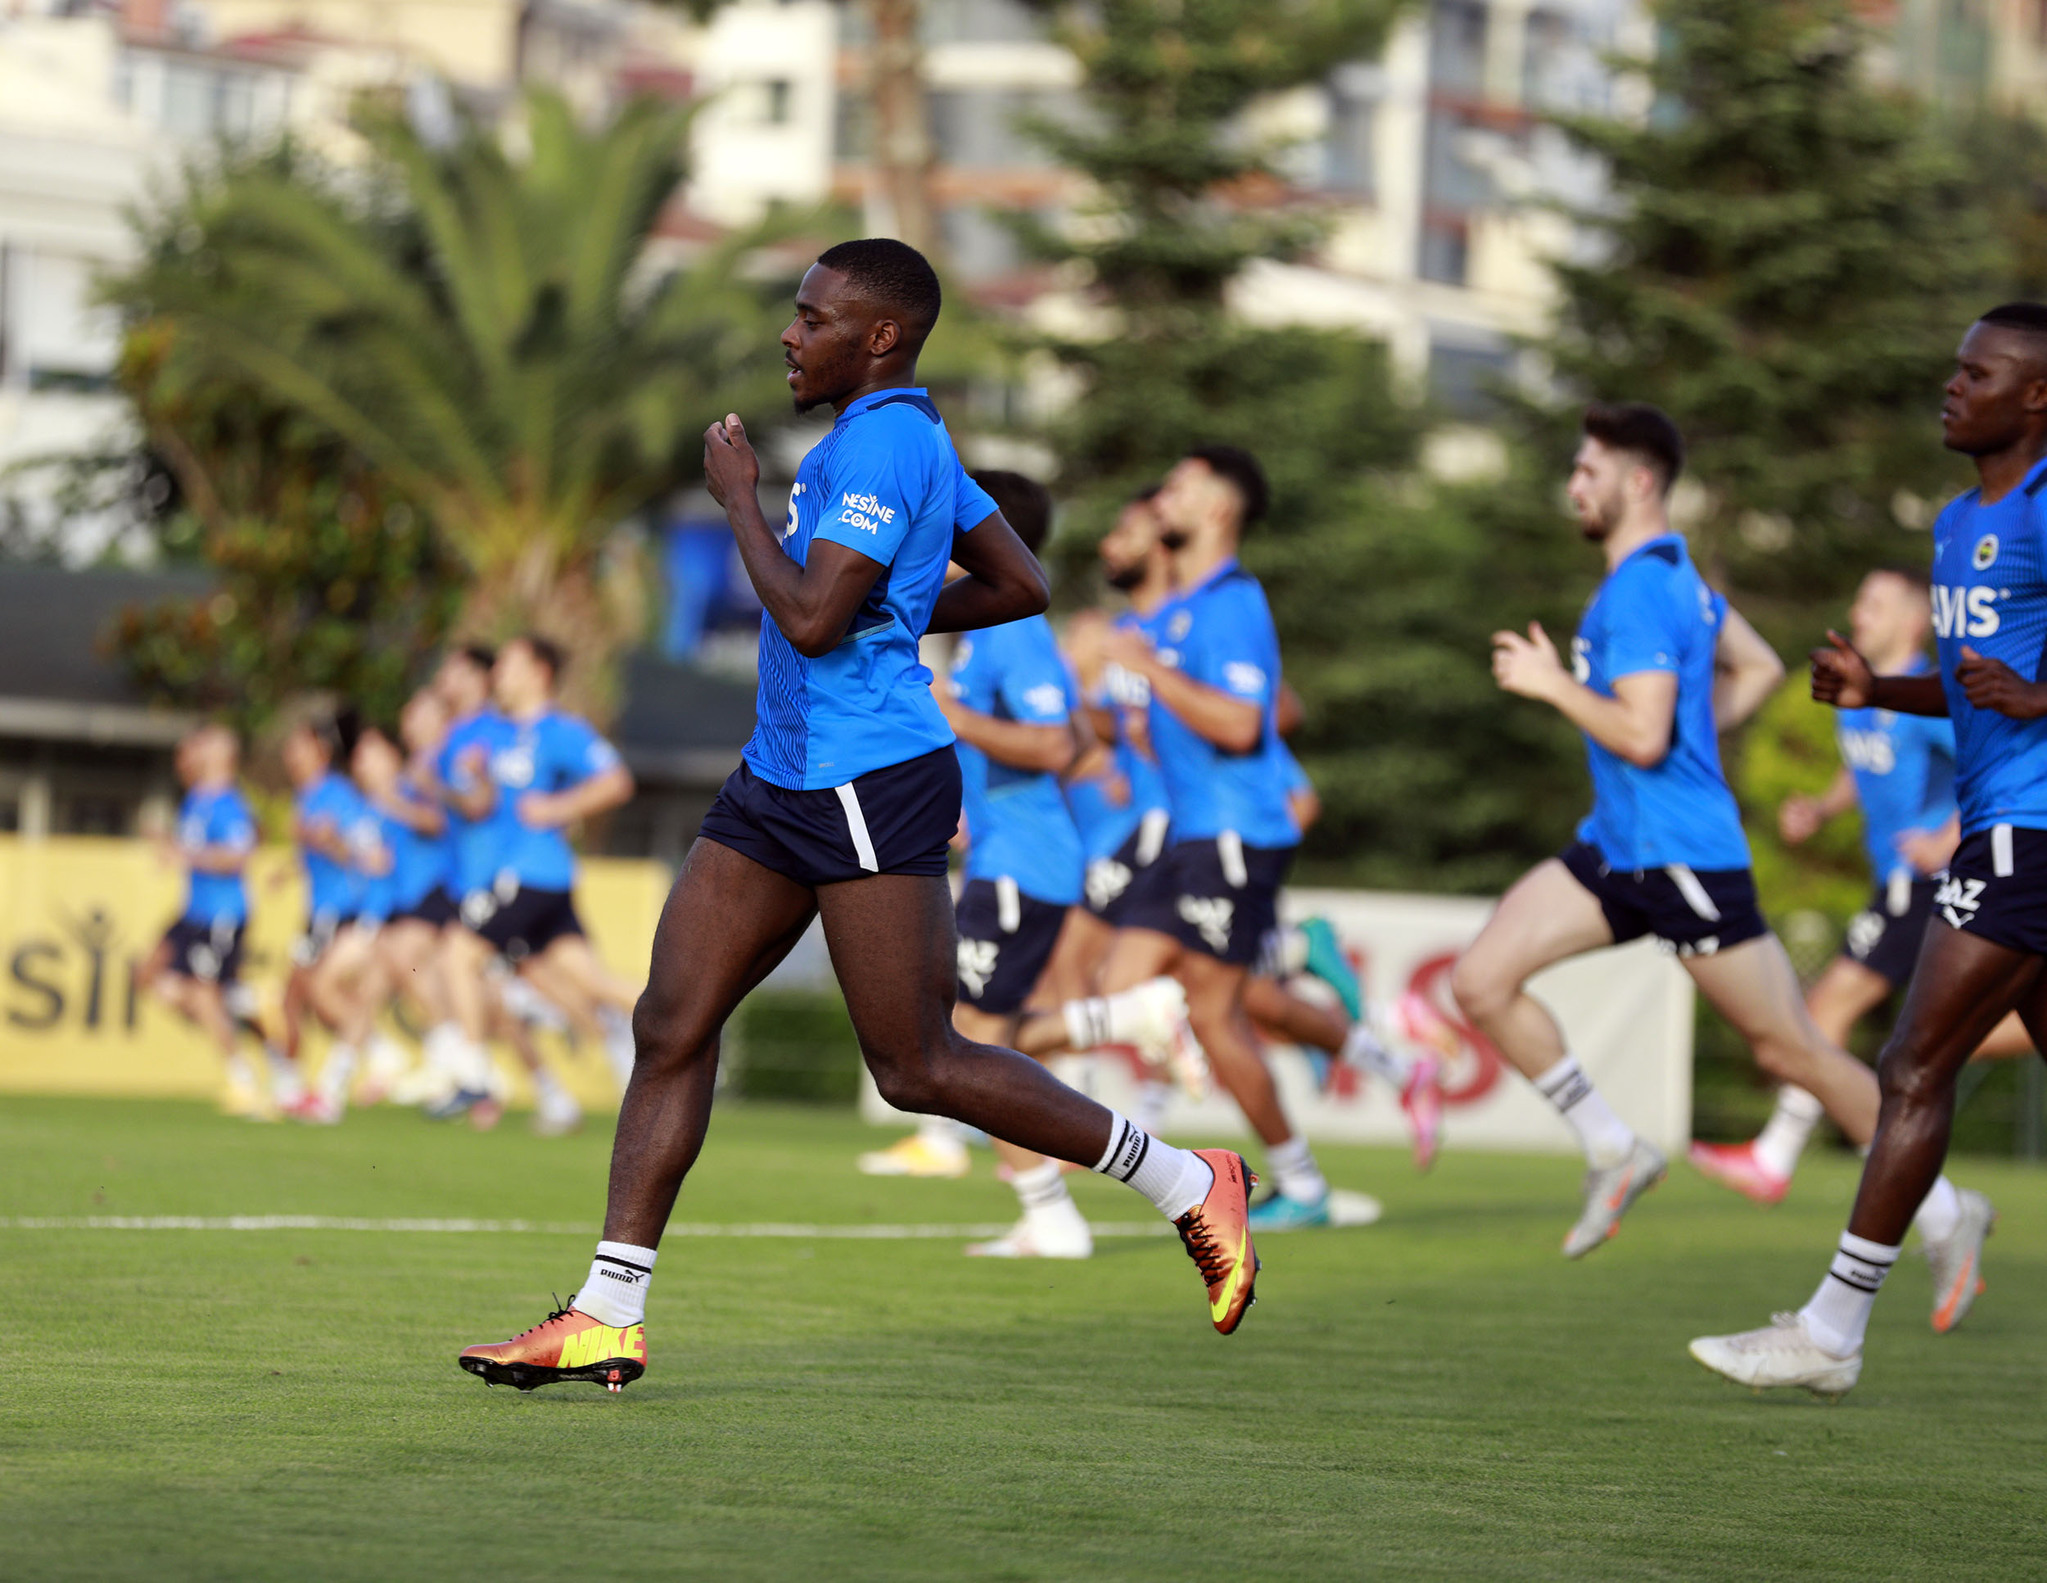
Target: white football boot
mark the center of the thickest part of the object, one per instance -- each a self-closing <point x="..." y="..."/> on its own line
<point x="1779" y="1354"/>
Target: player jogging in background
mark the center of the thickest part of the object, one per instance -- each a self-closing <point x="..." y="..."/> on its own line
<point x="1900" y="770"/>
<point x="844" y="807"/>
<point x="1660" y="667"/>
<point x="195" y="968"/>
<point x="1983" y="953"/>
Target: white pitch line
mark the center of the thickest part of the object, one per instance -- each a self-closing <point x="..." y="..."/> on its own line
<point x="786" y="1230"/>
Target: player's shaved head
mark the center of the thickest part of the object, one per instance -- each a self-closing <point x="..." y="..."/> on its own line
<point x="1996" y="400"/>
<point x="892" y="278"/>
<point x="2024" y="325"/>
<point x="863" y="312"/>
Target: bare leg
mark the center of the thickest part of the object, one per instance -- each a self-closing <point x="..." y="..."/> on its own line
<point x="1283" y="1016"/>
<point x="573" y="957"/>
<point x="1545" y="918"/>
<point x="410" y="951"/>
<point x="463" y="957"/>
<point x="893" y="947"/>
<point x="726" y="924"/>
<point x="1135" y="956"/>
<point x="1842" y="996"/>
<point x="1962" y="988"/>
<point x="982" y="1027"/>
<point x="1215" y="1005"/>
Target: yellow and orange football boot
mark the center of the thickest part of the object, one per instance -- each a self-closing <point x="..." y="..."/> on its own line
<point x="567" y="1345"/>
<point x="1217" y="1233"/>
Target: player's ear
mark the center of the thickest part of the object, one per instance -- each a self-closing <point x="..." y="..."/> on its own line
<point x="884" y="338"/>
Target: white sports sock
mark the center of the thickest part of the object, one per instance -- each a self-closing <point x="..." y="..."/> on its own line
<point x="547" y="1087"/>
<point x="1175" y="1180"/>
<point x="1605" y="1137"/>
<point x="1363" y="1047"/>
<point x="615" y="1291"/>
<point x="1783" y="1139"/>
<point x="1838" y="1314"/>
<point x="1294" y="1171"/>
<point x="451" y="1054"/>
<point x="1125" y="1017"/>
<point x="1087" y="1022"/>
<point x="619" y="1047"/>
<point x="1043" y="1186"/>
<point x="287" y="1086"/>
<point x="337" y="1073"/>
<point x="941" y="1133"/>
<point x="1152" y="1099"/>
<point x="239" y="1071"/>
<point x="1940" y="1212"/>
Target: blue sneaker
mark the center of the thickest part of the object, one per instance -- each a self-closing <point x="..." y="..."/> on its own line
<point x="1277" y="1212"/>
<point x="1328" y="963"/>
<point x="459" y="1103"/>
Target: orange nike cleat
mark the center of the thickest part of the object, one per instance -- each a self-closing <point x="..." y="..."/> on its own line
<point x="1217" y="1233"/>
<point x="567" y="1345"/>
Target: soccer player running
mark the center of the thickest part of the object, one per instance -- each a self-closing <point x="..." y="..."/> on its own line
<point x="193" y="970"/>
<point x="844" y="806"/>
<point x="1900" y="769"/>
<point x="1983" y="958"/>
<point x="1660" y="666"/>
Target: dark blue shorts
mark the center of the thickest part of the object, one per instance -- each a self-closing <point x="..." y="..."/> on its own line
<point x="897" y="820"/>
<point x="436" y="908"/>
<point x="1694" y="912"/>
<point x="523" y="923"/>
<point x="1115" y="883"/>
<point x="1884" y="937"/>
<point x="1996" y="886"/>
<point x="1005" y="940"/>
<point x="208" y="952"/>
<point x="1215" y="895"/>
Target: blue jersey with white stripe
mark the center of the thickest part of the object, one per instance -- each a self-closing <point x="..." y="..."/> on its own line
<point x="1018" y="824"/>
<point x="1990" y="594"/>
<point x="219" y="818"/>
<point x="1221" y="633"/>
<point x="1904" y="769"/>
<point x="332" y="803"/>
<point x="885" y="482"/>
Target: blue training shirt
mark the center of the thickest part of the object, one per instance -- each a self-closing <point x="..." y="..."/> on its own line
<point x="1018" y="824"/>
<point x="1990" y="594"/>
<point x="418" y="862"/>
<point x="215" y="818"/>
<point x="549" y="753"/>
<point x="1654" y="612"/>
<point x="1904" y="769"/>
<point x="371" y="859"/>
<point x="331" y="888"/>
<point x="885" y="482"/>
<point x="474" y="855"/>
<point x="1221" y="633"/>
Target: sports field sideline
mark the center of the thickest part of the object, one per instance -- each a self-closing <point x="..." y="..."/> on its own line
<point x="1440" y="1395"/>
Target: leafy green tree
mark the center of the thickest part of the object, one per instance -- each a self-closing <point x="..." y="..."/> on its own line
<point x="1785" y="262"/>
<point x="485" y="327"/>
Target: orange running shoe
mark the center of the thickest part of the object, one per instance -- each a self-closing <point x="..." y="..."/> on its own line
<point x="1217" y="1233"/>
<point x="567" y="1345"/>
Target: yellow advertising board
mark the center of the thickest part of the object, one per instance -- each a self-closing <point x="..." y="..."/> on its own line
<point x="77" y="914"/>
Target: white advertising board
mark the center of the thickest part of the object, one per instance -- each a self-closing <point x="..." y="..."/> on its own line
<point x="1626" y="1013"/>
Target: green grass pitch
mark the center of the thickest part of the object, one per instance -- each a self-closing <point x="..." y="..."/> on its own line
<point x="1438" y="1396"/>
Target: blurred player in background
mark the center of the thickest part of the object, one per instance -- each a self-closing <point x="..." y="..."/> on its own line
<point x="845" y="807"/>
<point x="1900" y="770"/>
<point x="195" y="969"/>
<point x="1660" y="667"/>
<point x="1983" y="958"/>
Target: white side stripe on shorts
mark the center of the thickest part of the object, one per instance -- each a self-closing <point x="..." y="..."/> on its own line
<point x="1151" y="836"/>
<point x="1229" y="850"/>
<point x="2000" y="851"/>
<point x="856" y="826"/>
<point x="1008" y="905"/>
<point x="1694" y="893"/>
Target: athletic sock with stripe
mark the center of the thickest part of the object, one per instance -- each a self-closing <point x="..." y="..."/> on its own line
<point x="1175" y="1180"/>
<point x="615" y="1291"/>
<point x="1839" y="1311"/>
<point x="1605" y="1137"/>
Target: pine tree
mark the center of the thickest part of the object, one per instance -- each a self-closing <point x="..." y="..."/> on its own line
<point x="1786" y="260"/>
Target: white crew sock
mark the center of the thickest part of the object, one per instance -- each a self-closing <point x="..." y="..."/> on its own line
<point x="1783" y="1139"/>
<point x="547" y="1088"/>
<point x="336" y="1075"/>
<point x="942" y="1133"/>
<point x="1175" y="1180"/>
<point x="1087" y="1022"/>
<point x="1127" y="1017"/>
<point x="239" y="1071"/>
<point x="1605" y="1137"/>
<point x="1940" y="1212"/>
<point x="287" y="1086"/>
<point x="1294" y="1171"/>
<point x="1043" y="1186"/>
<point x="1150" y="1111"/>
<point x="619" y="1047"/>
<point x="1838" y="1314"/>
<point x="460" y="1063"/>
<point x="1363" y="1047"/>
<point x="615" y="1291"/>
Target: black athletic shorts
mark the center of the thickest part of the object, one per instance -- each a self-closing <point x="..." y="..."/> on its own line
<point x="897" y="820"/>
<point x="1996" y="886"/>
<point x="1005" y="940"/>
<point x="1884" y="937"/>
<point x="1694" y="912"/>
<point x="436" y="908"/>
<point x="321" y="928"/>
<point x="209" y="952"/>
<point x="1115" y="882"/>
<point x="1215" y="895"/>
<point x="521" y="922"/>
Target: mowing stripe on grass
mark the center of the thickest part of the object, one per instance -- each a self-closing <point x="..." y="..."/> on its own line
<point x="876" y="1233"/>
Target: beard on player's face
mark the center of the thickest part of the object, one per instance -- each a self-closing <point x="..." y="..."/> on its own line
<point x="1123" y="578"/>
<point x="1174" y="539"/>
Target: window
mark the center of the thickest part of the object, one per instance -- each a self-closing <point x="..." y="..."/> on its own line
<point x="1457" y="47"/>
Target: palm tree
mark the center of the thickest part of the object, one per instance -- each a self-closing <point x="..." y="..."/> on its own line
<point x="484" y="323"/>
